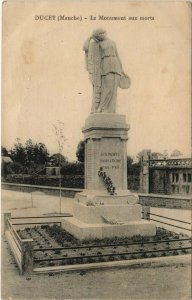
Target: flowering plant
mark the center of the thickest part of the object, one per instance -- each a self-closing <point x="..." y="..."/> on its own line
<point x="107" y="181"/>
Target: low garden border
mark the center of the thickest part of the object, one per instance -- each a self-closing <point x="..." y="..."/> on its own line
<point x="23" y="249"/>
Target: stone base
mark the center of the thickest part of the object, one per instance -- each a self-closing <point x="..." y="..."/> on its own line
<point x="112" y="213"/>
<point x="97" y="215"/>
<point x="94" y="207"/>
<point x="103" y="198"/>
<point x="84" y="231"/>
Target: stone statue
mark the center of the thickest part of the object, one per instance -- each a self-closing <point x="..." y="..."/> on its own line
<point x="105" y="71"/>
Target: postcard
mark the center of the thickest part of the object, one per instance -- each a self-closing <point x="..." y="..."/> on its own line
<point x="113" y="77"/>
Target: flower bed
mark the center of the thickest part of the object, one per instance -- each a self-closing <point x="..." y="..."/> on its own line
<point x="54" y="246"/>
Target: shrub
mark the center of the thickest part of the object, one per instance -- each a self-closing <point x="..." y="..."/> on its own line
<point x="90" y="260"/>
<point x="123" y="257"/>
<point x="63" y="262"/>
<point x="102" y="259"/>
<point x="136" y="238"/>
<point x="71" y="181"/>
<point x="111" y="258"/>
<point x="90" y="203"/>
<point x="144" y="255"/>
<point x="153" y="255"/>
<point x="72" y="168"/>
<point x="78" y="261"/>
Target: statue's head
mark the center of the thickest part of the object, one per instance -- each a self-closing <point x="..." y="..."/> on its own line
<point x="99" y="34"/>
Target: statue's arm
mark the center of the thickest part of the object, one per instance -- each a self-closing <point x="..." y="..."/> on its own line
<point x="117" y="54"/>
<point x="86" y="49"/>
<point x="86" y="44"/>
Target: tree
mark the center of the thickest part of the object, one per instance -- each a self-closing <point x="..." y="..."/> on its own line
<point x="18" y="153"/>
<point x="80" y="153"/>
<point x="57" y="159"/>
<point x="165" y="154"/>
<point x="29" y="151"/>
<point x="157" y="155"/>
<point x="40" y="154"/>
<point x="143" y="152"/>
<point x="30" y="156"/>
<point x="129" y="161"/>
<point x="72" y="168"/>
<point x="176" y="153"/>
<point x="152" y="155"/>
<point x="60" y="138"/>
<point x="4" y="151"/>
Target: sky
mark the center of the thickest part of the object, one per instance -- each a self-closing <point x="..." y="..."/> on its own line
<point x="44" y="77"/>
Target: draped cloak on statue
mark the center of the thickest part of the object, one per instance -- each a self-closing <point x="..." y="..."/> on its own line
<point x="104" y="67"/>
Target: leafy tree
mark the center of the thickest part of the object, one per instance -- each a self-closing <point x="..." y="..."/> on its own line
<point x="80" y="153"/>
<point x="129" y="161"/>
<point x="40" y="154"/>
<point x="4" y="151"/>
<point x="29" y="157"/>
<point x="60" y="138"/>
<point x="132" y="168"/>
<point x="176" y="153"/>
<point x="141" y="153"/>
<point x="152" y="155"/>
<point x="18" y="153"/>
<point x="72" y="168"/>
<point x="58" y="159"/>
<point x="157" y="155"/>
<point x="29" y="151"/>
<point x="16" y="168"/>
<point x="165" y="154"/>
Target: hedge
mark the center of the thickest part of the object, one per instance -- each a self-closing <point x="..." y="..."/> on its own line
<point x="68" y="181"/>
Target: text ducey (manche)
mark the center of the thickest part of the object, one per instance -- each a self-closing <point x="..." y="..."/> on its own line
<point x="81" y="18"/>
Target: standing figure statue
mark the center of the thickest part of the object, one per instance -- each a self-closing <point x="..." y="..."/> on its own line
<point x="105" y="71"/>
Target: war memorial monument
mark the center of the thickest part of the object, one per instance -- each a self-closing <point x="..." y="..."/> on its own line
<point x="106" y="208"/>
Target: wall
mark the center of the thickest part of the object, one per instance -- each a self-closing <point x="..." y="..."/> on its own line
<point x="65" y="192"/>
<point x="155" y="200"/>
<point x="166" y="176"/>
<point x="168" y="201"/>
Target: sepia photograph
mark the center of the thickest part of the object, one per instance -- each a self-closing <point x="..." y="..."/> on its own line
<point x="96" y="167"/>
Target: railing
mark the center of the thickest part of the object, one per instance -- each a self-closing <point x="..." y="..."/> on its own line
<point x="35" y="173"/>
<point x="23" y="249"/>
<point x="185" y="162"/>
<point x="146" y="214"/>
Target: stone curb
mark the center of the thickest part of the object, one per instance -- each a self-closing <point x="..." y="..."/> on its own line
<point x="135" y="263"/>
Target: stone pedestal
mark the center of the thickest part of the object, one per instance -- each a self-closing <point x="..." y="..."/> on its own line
<point x="98" y="214"/>
<point x="106" y="137"/>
